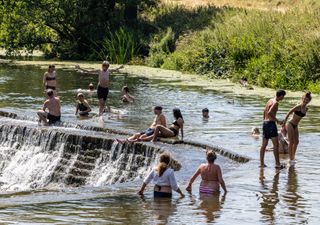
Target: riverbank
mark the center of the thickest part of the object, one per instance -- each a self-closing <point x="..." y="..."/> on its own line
<point x="175" y="78"/>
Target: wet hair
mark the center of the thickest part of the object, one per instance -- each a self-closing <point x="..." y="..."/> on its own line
<point x="51" y="66"/>
<point x="164" y="163"/>
<point x="255" y="131"/>
<point x="50" y="92"/>
<point x="105" y="63"/>
<point x="280" y="93"/>
<point x="205" y="110"/>
<point x="91" y="86"/>
<point x="307" y="95"/>
<point x="158" y="108"/>
<point x="126" y="89"/>
<point x="177" y="114"/>
<point x="211" y="156"/>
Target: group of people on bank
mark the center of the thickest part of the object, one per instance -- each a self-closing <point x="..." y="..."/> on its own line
<point x="163" y="175"/>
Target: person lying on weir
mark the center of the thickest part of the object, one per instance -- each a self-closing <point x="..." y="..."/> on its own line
<point x="103" y="83"/>
<point x="163" y="178"/>
<point x="127" y="98"/>
<point x="54" y="107"/>
<point x="146" y="135"/>
<point x="83" y="108"/>
<point x="211" y="176"/>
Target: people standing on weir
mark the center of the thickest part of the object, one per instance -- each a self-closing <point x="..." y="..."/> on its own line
<point x="103" y="83"/>
<point x="269" y="128"/>
<point x="297" y="112"/>
<point x="54" y="107"/>
<point x="50" y="79"/>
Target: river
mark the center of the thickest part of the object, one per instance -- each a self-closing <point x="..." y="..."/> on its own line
<point x="255" y="196"/>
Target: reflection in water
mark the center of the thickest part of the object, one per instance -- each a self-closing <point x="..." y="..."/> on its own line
<point x="161" y="208"/>
<point x="211" y="206"/>
<point x="270" y="198"/>
<point x="295" y="202"/>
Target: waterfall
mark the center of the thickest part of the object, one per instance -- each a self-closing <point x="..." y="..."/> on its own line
<point x="36" y="157"/>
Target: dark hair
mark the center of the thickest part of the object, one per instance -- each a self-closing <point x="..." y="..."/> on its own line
<point x="164" y="163"/>
<point x="177" y="114"/>
<point x="125" y="88"/>
<point x="158" y="108"/>
<point x="280" y="93"/>
<point x="51" y="66"/>
<point x="50" y="92"/>
<point x="205" y="110"/>
<point x="211" y="156"/>
<point x="307" y="95"/>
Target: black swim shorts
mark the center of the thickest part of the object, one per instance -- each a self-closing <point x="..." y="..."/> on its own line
<point x="148" y="132"/>
<point x="269" y="129"/>
<point x="53" y="119"/>
<point x="102" y="92"/>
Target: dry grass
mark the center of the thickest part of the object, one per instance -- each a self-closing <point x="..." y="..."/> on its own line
<point x="275" y="5"/>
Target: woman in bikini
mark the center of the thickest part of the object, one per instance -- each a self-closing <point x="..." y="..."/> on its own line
<point x="163" y="179"/>
<point x="49" y="79"/>
<point x="83" y="107"/>
<point x="173" y="130"/>
<point x="298" y="112"/>
<point x="211" y="176"/>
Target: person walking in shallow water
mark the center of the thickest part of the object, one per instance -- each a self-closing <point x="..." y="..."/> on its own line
<point x="163" y="179"/>
<point x="269" y="128"/>
<point x="50" y="79"/>
<point x="298" y="112"/>
<point x="211" y="176"/>
<point x="103" y="84"/>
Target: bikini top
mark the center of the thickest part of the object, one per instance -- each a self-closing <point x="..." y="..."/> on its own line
<point x="176" y="123"/>
<point x="51" y="78"/>
<point x="82" y="107"/>
<point x="299" y="113"/>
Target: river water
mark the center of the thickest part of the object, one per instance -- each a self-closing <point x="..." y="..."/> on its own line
<point x="255" y="196"/>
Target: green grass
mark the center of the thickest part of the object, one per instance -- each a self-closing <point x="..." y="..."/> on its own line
<point x="270" y="49"/>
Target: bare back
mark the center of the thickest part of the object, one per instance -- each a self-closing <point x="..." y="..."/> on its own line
<point x="209" y="172"/>
<point x="270" y="110"/>
<point x="53" y="105"/>
<point x="158" y="120"/>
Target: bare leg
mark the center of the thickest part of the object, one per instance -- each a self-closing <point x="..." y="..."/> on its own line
<point x="291" y="140"/>
<point x="275" y="142"/>
<point x="163" y="131"/>
<point x="262" y="151"/>
<point x="296" y="142"/>
<point x="42" y="117"/>
<point x="102" y="105"/>
<point x="146" y="138"/>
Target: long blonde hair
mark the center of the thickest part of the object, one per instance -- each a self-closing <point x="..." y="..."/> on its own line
<point x="164" y="163"/>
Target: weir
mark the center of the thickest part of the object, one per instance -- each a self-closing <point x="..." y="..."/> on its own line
<point x="35" y="157"/>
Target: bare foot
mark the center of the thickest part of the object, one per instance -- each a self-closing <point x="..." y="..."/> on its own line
<point x="263" y="166"/>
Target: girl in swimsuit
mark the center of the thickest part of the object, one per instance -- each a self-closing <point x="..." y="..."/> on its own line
<point x="298" y="112"/>
<point x="211" y="176"/>
<point x="163" y="178"/>
<point x="127" y="98"/>
<point x="49" y="79"/>
<point x="173" y="130"/>
<point x="83" y="106"/>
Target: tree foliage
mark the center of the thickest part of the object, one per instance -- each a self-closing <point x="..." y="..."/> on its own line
<point x="66" y="28"/>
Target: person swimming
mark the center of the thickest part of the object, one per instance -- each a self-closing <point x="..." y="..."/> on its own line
<point x="298" y="112"/>
<point x="83" y="107"/>
<point x="211" y="176"/>
<point x="127" y="98"/>
<point x="173" y="130"/>
<point x="255" y="132"/>
<point x="205" y="114"/>
<point x="163" y="178"/>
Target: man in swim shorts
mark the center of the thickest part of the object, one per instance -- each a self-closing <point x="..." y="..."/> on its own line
<point x="103" y="84"/>
<point x="269" y="128"/>
<point x="54" y="107"/>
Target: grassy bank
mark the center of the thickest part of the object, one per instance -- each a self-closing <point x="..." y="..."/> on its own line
<point x="270" y="49"/>
<point x="175" y="78"/>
